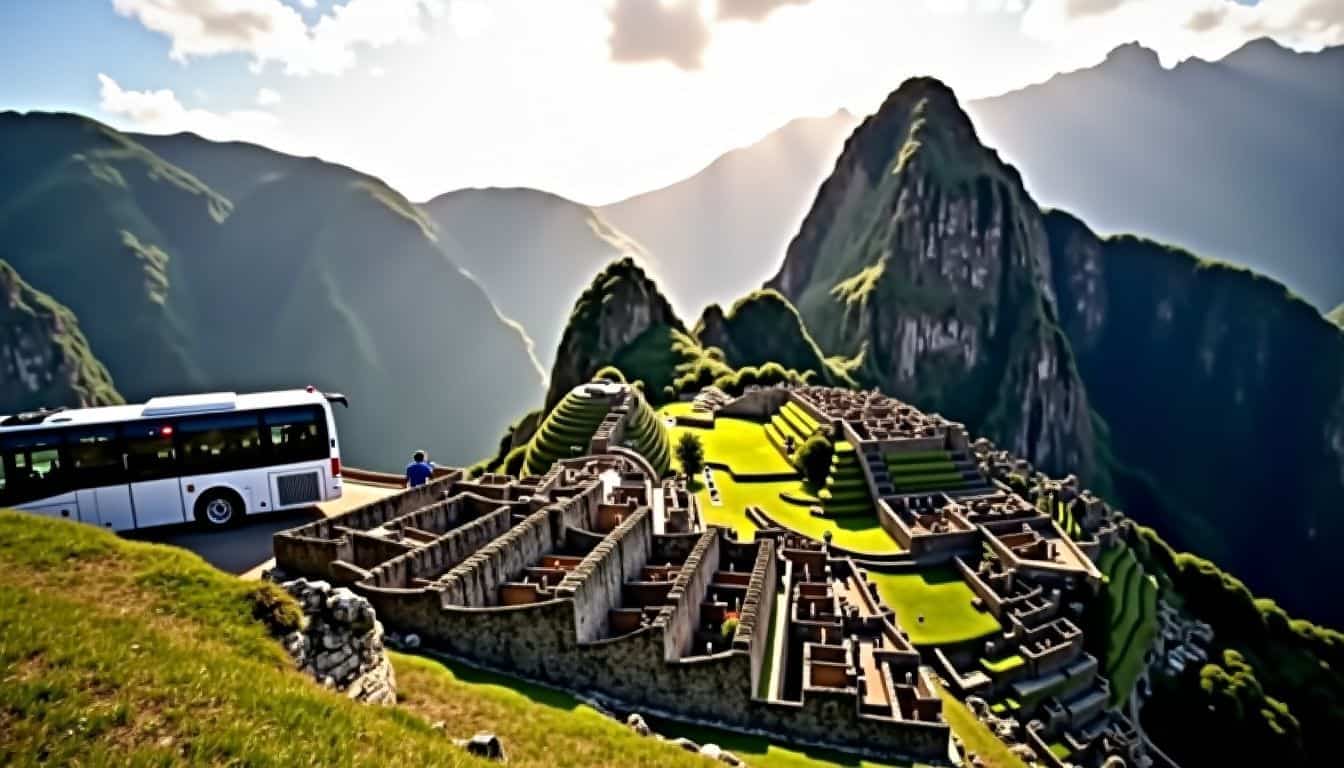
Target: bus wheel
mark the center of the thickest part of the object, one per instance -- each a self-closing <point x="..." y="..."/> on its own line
<point x="219" y="509"/>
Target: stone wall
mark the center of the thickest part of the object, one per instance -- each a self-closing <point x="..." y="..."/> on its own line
<point x="757" y="404"/>
<point x="475" y="581"/>
<point x="596" y="584"/>
<point x="341" y="643"/>
<point x="443" y="554"/>
<point x="682" y="615"/>
<point x="310" y="549"/>
<point x="753" y="627"/>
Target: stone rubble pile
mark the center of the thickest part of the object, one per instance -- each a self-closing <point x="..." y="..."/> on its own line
<point x="341" y="643"/>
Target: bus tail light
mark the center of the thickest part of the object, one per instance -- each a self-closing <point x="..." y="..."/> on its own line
<point x="335" y="466"/>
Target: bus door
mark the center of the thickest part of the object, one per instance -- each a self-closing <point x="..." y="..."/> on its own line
<point x="99" y="469"/>
<point x="151" y="467"/>
<point x="35" y="477"/>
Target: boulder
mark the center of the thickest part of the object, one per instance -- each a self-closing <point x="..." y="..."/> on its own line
<point x="637" y="724"/>
<point x="486" y="745"/>
<point x="712" y="751"/>
<point x="686" y="744"/>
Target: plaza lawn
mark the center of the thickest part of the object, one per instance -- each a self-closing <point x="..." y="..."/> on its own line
<point x="861" y="534"/>
<point x="941" y="597"/>
<point x="739" y="444"/>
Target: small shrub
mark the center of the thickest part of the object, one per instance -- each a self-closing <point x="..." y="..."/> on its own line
<point x="691" y="453"/>
<point x="273" y="607"/>
<point x="729" y="628"/>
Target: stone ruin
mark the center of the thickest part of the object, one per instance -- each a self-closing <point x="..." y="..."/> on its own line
<point x="341" y="643"/>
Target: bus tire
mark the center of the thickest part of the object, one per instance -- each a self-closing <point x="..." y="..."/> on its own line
<point x="219" y="508"/>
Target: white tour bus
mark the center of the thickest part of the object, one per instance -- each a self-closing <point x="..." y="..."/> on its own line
<point x="212" y="458"/>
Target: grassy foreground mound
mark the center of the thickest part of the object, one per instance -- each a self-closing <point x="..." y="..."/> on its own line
<point x="122" y="653"/>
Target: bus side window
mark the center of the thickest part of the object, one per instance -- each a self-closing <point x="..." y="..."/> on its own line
<point x="149" y="452"/>
<point x="95" y="458"/>
<point x="35" y="468"/>
<point x="296" y="434"/>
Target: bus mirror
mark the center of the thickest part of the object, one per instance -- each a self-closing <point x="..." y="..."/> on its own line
<point x="336" y="397"/>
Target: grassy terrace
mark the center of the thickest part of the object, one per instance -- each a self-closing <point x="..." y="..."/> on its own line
<point x="942" y="597"/>
<point x="1132" y="597"/>
<point x="756" y="476"/>
<point x="572" y="422"/>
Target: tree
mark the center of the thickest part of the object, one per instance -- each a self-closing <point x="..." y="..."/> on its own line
<point x="813" y="459"/>
<point x="691" y="453"/>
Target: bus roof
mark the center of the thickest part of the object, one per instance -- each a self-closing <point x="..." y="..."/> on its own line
<point x="171" y="406"/>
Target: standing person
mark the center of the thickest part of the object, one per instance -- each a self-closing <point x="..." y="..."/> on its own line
<point x="419" y="470"/>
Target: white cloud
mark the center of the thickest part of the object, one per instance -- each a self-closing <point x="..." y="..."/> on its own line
<point x="470" y="19"/>
<point x="267" y="97"/>
<point x="376" y="71"/>
<point x="161" y="112"/>
<point x="308" y="3"/>
<point x="271" y="31"/>
<point x="649" y="30"/>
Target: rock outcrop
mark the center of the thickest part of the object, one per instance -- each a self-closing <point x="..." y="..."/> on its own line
<point x="621" y="307"/>
<point x="45" y="360"/>
<point x="924" y="254"/>
<point x="341" y="644"/>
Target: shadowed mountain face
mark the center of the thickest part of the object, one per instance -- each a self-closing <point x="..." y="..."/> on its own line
<point x="1237" y="159"/>
<point x="533" y="251"/>
<point x="1177" y="386"/>
<point x="726" y="227"/>
<point x="229" y="266"/>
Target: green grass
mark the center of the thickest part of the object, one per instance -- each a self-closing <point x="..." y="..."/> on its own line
<point x="977" y="737"/>
<point x="572" y="422"/>
<point x="738" y="444"/>
<point x="743" y="447"/>
<point x="942" y="597"/>
<point x="1132" y="598"/>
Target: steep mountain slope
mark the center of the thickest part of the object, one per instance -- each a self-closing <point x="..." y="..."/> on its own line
<point x="924" y="254"/>
<point x="727" y="226"/>
<point x="1227" y="393"/>
<point x="44" y="356"/>
<point x="533" y="251"/>
<point x="291" y="272"/>
<point x="1236" y="158"/>
<point x="764" y="328"/>
<point x="1337" y="316"/>
<point x="623" y="319"/>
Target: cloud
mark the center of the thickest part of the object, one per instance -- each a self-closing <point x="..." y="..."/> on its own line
<point x="650" y="30"/>
<point x="267" y="97"/>
<point x="1079" y="8"/>
<point x="271" y="31"/>
<point x="752" y="10"/>
<point x="161" y="112"/>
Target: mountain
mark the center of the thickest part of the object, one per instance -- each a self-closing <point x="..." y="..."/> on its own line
<point x="762" y="328"/>
<point x="1234" y="158"/>
<point x="195" y="265"/>
<point x="1337" y="316"/>
<point x="44" y="355"/>
<point x="725" y="227"/>
<point x="1225" y="392"/>
<point x="621" y="319"/>
<point x="533" y="251"/>
<point x="1237" y="158"/>
<point x="924" y="255"/>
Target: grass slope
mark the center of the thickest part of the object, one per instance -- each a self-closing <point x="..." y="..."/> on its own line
<point x="120" y="653"/>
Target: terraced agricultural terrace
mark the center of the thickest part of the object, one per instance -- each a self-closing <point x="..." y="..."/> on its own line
<point x="832" y="618"/>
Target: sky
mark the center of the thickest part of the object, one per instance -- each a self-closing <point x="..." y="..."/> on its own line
<point x="595" y="100"/>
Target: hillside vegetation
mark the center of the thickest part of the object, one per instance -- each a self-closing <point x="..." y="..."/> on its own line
<point x="232" y="267"/>
<point x="118" y="653"/>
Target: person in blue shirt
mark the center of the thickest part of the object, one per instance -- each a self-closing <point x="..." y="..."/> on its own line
<point x="419" y="470"/>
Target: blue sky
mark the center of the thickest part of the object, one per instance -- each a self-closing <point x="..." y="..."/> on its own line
<point x="593" y="99"/>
